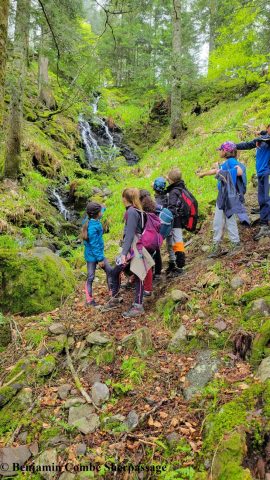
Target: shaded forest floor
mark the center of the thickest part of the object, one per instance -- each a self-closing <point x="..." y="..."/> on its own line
<point x="168" y="429"/>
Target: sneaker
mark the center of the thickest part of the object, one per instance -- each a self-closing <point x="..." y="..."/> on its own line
<point x="263" y="232"/>
<point x="114" y="302"/>
<point x="147" y="294"/>
<point x="92" y="303"/>
<point x="216" y="251"/>
<point x="134" y="311"/>
<point x="235" y="248"/>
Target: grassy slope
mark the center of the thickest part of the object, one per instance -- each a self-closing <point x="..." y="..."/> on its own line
<point x="196" y="150"/>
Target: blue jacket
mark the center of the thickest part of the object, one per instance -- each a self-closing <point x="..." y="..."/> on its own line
<point x="228" y="199"/>
<point x="262" y="154"/>
<point x="94" y="245"/>
<point x="229" y="165"/>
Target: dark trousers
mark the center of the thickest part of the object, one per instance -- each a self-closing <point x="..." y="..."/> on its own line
<point x="264" y="198"/>
<point x="158" y="262"/>
<point x="91" y="270"/>
<point x="116" y="283"/>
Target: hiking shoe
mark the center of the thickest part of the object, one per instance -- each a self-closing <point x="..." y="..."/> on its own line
<point x="147" y="294"/>
<point x="173" y="270"/>
<point x="263" y="232"/>
<point x="216" y="251"/>
<point x="235" y="248"/>
<point x="114" y="302"/>
<point x="92" y="303"/>
<point x="134" y="311"/>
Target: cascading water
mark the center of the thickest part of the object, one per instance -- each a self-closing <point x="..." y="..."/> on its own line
<point x="100" y="144"/>
<point x="58" y="202"/>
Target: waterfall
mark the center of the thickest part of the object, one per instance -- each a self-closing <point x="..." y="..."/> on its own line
<point x="100" y="144"/>
<point x="60" y="205"/>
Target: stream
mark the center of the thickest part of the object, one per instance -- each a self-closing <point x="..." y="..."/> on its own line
<point x="101" y="145"/>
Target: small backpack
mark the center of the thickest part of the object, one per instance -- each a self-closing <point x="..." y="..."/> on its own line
<point x="151" y="238"/>
<point x="166" y="220"/>
<point x="187" y="210"/>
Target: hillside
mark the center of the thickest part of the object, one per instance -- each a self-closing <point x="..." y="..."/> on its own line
<point x="180" y="386"/>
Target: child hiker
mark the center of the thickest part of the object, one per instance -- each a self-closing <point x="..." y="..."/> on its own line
<point x="161" y="198"/>
<point x="231" y="167"/>
<point x="138" y="260"/>
<point x="176" y="243"/>
<point x="92" y="234"/>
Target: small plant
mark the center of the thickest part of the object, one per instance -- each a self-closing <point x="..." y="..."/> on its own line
<point x="133" y="368"/>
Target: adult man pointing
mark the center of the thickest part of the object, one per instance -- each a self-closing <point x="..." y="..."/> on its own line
<point x="262" y="145"/>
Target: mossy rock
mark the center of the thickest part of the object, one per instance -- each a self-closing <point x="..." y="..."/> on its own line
<point x="57" y="343"/>
<point x="260" y="343"/>
<point x="5" y="331"/>
<point x="45" y="366"/>
<point x="35" y="281"/>
<point x="255" y="293"/>
<point x="7" y="393"/>
<point x="103" y="355"/>
<point x="259" y="307"/>
<point x="229" y="457"/>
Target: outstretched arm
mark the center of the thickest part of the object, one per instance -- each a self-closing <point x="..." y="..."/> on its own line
<point x="214" y="171"/>
<point x="246" y="145"/>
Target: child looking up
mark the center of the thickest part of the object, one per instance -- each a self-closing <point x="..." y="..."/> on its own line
<point x="92" y="234"/>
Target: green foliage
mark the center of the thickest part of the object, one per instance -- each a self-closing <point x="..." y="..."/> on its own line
<point x="133" y="368"/>
<point x="34" y="336"/>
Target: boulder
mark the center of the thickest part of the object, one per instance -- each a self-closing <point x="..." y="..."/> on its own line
<point x="10" y="455"/>
<point x="140" y="340"/>
<point x="201" y="374"/>
<point x="132" y="420"/>
<point x="227" y="464"/>
<point x="100" y="393"/>
<point x="48" y="457"/>
<point x="63" y="391"/>
<point x="80" y="448"/>
<point x="57" y="328"/>
<point x="83" y="418"/>
<point x="260" y="344"/>
<point x="236" y="282"/>
<point x="45" y="366"/>
<point x="264" y="370"/>
<point x="261" y="306"/>
<point x="179" y="339"/>
<point x="35" y="281"/>
<point x="178" y="296"/>
<point x="25" y="397"/>
<point x="220" y="325"/>
<point x="57" y="343"/>
<point x="98" y="338"/>
<point x="72" y="402"/>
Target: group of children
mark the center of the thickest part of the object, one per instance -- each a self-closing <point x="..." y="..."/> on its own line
<point x="140" y="256"/>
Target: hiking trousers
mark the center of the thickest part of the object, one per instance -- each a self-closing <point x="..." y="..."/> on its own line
<point x="264" y="198"/>
<point x="178" y="247"/>
<point x="221" y="222"/>
<point x="91" y="270"/>
<point x="116" y="283"/>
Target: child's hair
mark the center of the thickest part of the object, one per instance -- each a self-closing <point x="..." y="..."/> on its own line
<point x="143" y="194"/>
<point x="132" y="195"/>
<point x="231" y="154"/>
<point x="92" y="209"/>
<point x="149" y="205"/>
<point x="175" y="175"/>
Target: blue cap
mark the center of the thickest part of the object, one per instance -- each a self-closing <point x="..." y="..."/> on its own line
<point x="159" y="184"/>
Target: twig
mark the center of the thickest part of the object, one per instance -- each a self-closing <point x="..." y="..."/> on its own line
<point x="13" y="379"/>
<point x="77" y="380"/>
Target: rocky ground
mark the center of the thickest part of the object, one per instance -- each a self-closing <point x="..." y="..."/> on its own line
<point x="186" y="387"/>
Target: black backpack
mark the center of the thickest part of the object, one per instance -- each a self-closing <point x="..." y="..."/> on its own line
<point x="187" y="210"/>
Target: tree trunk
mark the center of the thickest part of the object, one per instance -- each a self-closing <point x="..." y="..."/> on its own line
<point x="14" y="138"/>
<point x="212" y="24"/>
<point x="4" y="9"/>
<point x="176" y="117"/>
<point x="45" y="91"/>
